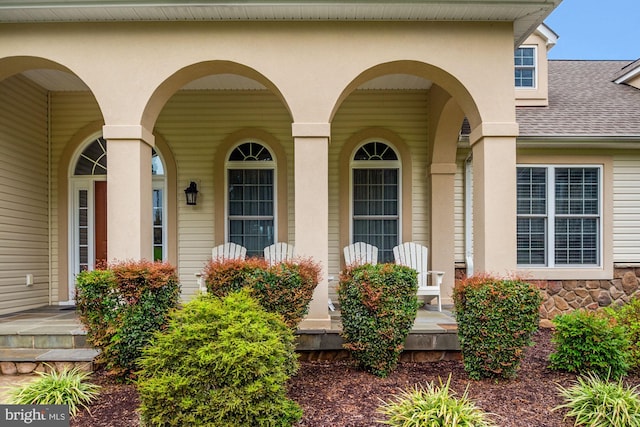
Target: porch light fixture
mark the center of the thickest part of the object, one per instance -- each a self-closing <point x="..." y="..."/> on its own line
<point x="192" y="193"/>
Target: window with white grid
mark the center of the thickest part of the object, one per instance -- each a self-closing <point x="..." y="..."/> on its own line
<point x="251" y="197"/>
<point x="376" y="198"/>
<point x="559" y="216"/>
<point x="525" y="67"/>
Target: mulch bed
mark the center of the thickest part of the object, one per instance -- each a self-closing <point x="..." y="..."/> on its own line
<point x="338" y="394"/>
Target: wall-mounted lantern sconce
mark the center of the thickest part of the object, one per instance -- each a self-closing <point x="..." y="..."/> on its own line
<point x="192" y="193"/>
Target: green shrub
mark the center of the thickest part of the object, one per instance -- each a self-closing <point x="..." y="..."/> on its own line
<point x="600" y="403"/>
<point x="378" y="306"/>
<point x="56" y="388"/>
<point x="628" y="316"/>
<point x="496" y="319"/>
<point x="285" y="288"/>
<point x="588" y="341"/>
<point x="433" y="406"/>
<point x="221" y="362"/>
<point x="122" y="306"/>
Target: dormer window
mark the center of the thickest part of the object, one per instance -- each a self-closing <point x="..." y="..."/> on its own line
<point x="525" y="67"/>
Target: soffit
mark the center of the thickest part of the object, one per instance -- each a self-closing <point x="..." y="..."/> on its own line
<point x="61" y="81"/>
<point x="525" y="14"/>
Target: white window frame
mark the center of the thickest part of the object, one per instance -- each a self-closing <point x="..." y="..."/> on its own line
<point x="522" y="67"/>
<point x="272" y="165"/>
<point x="375" y="164"/>
<point x="551" y="217"/>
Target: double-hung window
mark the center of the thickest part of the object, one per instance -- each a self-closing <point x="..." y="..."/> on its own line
<point x="559" y="219"/>
<point x="251" y="198"/>
<point x="525" y="67"/>
<point x="376" y="198"/>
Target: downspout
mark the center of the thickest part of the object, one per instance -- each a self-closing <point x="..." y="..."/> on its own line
<point x="49" y="198"/>
<point x="468" y="213"/>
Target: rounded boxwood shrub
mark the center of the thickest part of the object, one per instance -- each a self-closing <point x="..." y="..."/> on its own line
<point x="378" y="306"/>
<point x="589" y="341"/>
<point x="122" y="306"/>
<point x="496" y="319"/>
<point x="221" y="362"/>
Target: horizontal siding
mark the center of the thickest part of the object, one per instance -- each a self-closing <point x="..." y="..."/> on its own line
<point x="24" y="236"/>
<point x="404" y="113"/>
<point x="626" y="208"/>
<point x="70" y="112"/>
<point x="195" y="123"/>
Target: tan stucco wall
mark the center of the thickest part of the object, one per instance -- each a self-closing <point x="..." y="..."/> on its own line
<point x="289" y="58"/>
<point x="538" y="96"/>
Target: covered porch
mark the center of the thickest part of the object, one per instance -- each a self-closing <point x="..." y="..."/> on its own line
<point x="53" y="335"/>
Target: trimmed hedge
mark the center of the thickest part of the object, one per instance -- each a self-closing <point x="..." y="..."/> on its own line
<point x="122" y="306"/>
<point x="496" y="319"/>
<point x="221" y="362"/>
<point x="285" y="288"/>
<point x="378" y="306"/>
<point x="589" y="341"/>
<point x="628" y="316"/>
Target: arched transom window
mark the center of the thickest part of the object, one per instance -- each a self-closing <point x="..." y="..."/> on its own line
<point x="251" y="197"/>
<point x="375" y="195"/>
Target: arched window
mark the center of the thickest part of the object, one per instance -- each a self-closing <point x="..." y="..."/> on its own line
<point x="251" y="197"/>
<point x="375" y="197"/>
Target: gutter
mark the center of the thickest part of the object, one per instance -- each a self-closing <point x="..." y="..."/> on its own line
<point x="579" y="141"/>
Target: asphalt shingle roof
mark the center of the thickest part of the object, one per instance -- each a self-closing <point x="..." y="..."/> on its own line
<point x="584" y="101"/>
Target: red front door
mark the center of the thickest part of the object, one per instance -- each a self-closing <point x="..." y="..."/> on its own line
<point x="100" y="212"/>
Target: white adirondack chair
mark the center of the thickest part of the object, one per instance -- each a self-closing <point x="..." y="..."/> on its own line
<point x="227" y="250"/>
<point x="416" y="256"/>
<point x="278" y="252"/>
<point x="360" y="253"/>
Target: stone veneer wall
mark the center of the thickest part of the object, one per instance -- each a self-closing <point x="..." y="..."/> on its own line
<point x="563" y="296"/>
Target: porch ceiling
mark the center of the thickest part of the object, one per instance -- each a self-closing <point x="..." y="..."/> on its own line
<point x="525" y="14"/>
<point x="60" y="81"/>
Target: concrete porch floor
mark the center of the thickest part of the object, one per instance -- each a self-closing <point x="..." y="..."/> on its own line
<point x="54" y="334"/>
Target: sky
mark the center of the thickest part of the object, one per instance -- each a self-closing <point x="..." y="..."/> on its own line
<point x="596" y="29"/>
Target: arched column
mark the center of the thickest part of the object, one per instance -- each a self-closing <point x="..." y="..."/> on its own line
<point x="311" y="178"/>
<point x="129" y="228"/>
<point x="447" y="116"/>
<point x="494" y="197"/>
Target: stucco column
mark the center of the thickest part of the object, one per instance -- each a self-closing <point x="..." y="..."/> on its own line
<point x="311" y="181"/>
<point x="494" y="198"/>
<point x="442" y="251"/>
<point x="129" y="229"/>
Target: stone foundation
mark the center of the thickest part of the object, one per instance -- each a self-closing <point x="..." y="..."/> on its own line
<point x="24" y="368"/>
<point x="563" y="296"/>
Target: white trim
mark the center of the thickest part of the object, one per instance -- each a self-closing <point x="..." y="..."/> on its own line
<point x="551" y="38"/>
<point x="628" y="76"/>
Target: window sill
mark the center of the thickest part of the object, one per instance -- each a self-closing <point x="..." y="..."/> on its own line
<point x="573" y="273"/>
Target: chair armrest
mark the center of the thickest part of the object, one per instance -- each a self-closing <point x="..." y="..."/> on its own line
<point x="200" y="280"/>
<point x="438" y="276"/>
